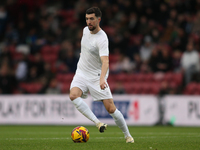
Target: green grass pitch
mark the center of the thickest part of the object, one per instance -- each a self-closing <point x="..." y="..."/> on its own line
<point x="58" y="138"/>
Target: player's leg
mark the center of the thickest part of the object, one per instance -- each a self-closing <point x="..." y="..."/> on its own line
<point x="75" y="96"/>
<point x="119" y="119"/>
<point x="78" y="89"/>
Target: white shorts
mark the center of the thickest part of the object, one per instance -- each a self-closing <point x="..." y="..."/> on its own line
<point x="90" y="86"/>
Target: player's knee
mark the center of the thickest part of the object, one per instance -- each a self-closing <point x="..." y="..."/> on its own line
<point x="111" y="110"/>
<point x="73" y="96"/>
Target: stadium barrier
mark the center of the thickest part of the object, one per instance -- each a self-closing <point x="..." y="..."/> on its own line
<point x="137" y="110"/>
<point x="182" y="110"/>
<point x="59" y="110"/>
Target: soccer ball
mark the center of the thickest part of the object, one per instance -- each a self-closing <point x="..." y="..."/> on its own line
<point x="80" y="134"/>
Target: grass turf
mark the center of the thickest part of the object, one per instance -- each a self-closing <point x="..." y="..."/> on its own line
<point x="58" y="138"/>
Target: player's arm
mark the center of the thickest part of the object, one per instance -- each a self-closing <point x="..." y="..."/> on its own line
<point x="104" y="69"/>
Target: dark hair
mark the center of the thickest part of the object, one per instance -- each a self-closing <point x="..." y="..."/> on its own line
<point x="94" y="10"/>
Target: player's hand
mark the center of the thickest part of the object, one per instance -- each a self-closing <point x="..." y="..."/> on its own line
<point x="103" y="84"/>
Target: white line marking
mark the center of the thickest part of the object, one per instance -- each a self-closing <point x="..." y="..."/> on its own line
<point x="67" y="138"/>
<point x="97" y="133"/>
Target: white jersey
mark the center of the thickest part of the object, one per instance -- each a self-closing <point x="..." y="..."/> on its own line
<point x="93" y="46"/>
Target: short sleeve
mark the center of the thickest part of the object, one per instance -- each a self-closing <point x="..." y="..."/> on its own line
<point x="103" y="46"/>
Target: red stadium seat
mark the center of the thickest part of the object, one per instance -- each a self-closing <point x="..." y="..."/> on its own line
<point x="113" y="58"/>
<point x="128" y="88"/>
<point x="56" y="49"/>
<point x="50" y="58"/>
<point x="50" y="53"/>
<point x="142" y="77"/>
<point x="31" y="88"/>
<point x="112" y="86"/>
<point x="149" y="77"/>
<point x="65" y="78"/>
<point x="65" y="88"/>
<point x="178" y="78"/>
<point x="155" y="88"/>
<point x="122" y="77"/>
<point x="146" y="88"/>
<point x="132" y="88"/>
<point x="173" y="77"/>
<point x="191" y="88"/>
<point x="111" y="79"/>
<point x="46" y="50"/>
<point x="12" y="49"/>
<point x="109" y="30"/>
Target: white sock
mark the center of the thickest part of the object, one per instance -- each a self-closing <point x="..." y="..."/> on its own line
<point x="85" y="110"/>
<point x="120" y="121"/>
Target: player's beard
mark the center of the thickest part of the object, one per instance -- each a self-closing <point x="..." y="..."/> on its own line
<point x="92" y="28"/>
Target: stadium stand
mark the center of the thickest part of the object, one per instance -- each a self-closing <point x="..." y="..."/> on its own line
<point x="52" y="30"/>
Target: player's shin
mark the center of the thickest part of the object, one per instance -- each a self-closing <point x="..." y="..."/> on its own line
<point x="85" y="110"/>
<point x="120" y="121"/>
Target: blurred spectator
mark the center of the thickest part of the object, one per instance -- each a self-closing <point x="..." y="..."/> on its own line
<point x="160" y="59"/>
<point x="123" y="64"/>
<point x="143" y="26"/>
<point x="5" y="55"/>
<point x="167" y="33"/>
<point x="134" y="46"/>
<point x="196" y="25"/>
<point x="3" y="19"/>
<point x="31" y="39"/>
<point x="119" y="88"/>
<point x="178" y="39"/>
<point x="153" y="60"/>
<point x="48" y="73"/>
<point x="163" y="14"/>
<point x="71" y="32"/>
<point x="71" y="61"/>
<point x="164" y="89"/>
<point x="46" y="31"/>
<point x="62" y="68"/>
<point x="77" y="49"/>
<point x="23" y="48"/>
<point x="176" y="61"/>
<point x="68" y="57"/>
<point x="22" y="69"/>
<point x="146" y="49"/>
<point x="144" y="68"/>
<point x="137" y="63"/>
<point x="181" y="22"/>
<point x="31" y="21"/>
<point x="53" y="87"/>
<point x="27" y="26"/>
<point x="7" y="80"/>
<point x="139" y="7"/>
<point x="173" y="15"/>
<point x="189" y="23"/>
<point x="33" y="74"/>
<point x="65" y="46"/>
<point x="164" y="63"/>
<point x="151" y="25"/>
<point x="44" y="82"/>
<point x="36" y="68"/>
<point x="155" y="34"/>
<point x="22" y="31"/>
<point x="118" y="42"/>
<point x="133" y="23"/>
<point x="80" y="7"/>
<point x="11" y="34"/>
<point x="190" y="62"/>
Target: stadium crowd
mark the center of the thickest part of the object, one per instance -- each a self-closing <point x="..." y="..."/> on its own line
<point x="155" y="42"/>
